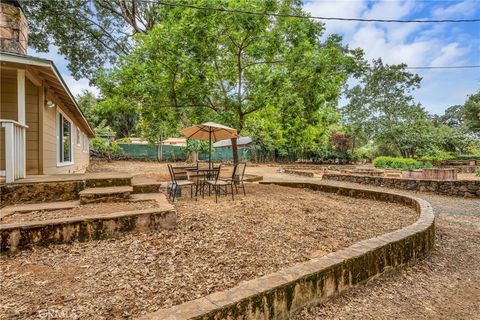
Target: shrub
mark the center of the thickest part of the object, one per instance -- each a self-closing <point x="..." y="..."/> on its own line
<point x="468" y="157"/>
<point x="124" y="140"/>
<point x="400" y="163"/>
<point x="101" y="148"/>
<point x="436" y="158"/>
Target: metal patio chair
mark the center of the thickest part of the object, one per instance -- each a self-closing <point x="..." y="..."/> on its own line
<point x="177" y="184"/>
<point x="237" y="176"/>
<point x="220" y="185"/>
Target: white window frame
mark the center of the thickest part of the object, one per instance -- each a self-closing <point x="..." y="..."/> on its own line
<point x="78" y="136"/>
<point x="59" y="139"/>
<point x="86" y="143"/>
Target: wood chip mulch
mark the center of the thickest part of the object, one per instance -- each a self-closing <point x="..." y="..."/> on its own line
<point x="79" y="211"/>
<point x="214" y="247"/>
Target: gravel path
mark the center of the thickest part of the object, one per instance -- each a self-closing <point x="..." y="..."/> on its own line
<point x="446" y="285"/>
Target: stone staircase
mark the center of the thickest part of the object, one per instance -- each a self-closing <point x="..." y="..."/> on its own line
<point x="105" y="194"/>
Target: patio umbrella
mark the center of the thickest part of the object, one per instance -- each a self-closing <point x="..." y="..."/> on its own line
<point x="209" y="131"/>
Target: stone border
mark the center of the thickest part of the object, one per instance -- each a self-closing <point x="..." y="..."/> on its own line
<point x="458" y="188"/>
<point x="300" y="173"/>
<point x="280" y="294"/>
<point x="55" y="190"/>
<point x="252" y="178"/>
<point x="18" y="236"/>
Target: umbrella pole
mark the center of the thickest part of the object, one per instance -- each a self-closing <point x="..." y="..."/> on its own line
<point x="210" y="149"/>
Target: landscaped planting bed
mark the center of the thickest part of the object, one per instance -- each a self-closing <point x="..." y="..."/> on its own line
<point x="79" y="211"/>
<point x="214" y="247"/>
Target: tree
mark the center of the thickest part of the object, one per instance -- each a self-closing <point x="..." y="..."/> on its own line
<point x="472" y="112"/>
<point x="210" y="65"/>
<point x="87" y="101"/>
<point x="454" y="117"/>
<point x="89" y="33"/>
<point x="381" y="108"/>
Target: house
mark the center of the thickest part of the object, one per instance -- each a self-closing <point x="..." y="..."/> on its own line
<point x="43" y="131"/>
<point x="179" y="142"/>
<point x="242" y="142"/>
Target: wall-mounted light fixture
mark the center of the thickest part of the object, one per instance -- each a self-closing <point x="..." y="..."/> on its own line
<point x="50" y="104"/>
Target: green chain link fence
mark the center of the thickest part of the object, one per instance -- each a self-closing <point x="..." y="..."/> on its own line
<point x="176" y="153"/>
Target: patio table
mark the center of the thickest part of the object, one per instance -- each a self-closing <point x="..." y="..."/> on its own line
<point x="199" y="176"/>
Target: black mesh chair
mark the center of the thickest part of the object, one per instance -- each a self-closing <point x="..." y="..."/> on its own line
<point x="219" y="185"/>
<point x="237" y="177"/>
<point x="177" y="184"/>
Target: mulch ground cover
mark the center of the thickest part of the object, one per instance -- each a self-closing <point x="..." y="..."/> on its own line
<point x="214" y="247"/>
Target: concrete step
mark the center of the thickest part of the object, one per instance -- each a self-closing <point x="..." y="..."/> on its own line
<point x="105" y="194"/>
<point x="107" y="179"/>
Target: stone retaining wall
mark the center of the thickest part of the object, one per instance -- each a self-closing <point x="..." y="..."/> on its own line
<point x="299" y="173"/>
<point x="17" y="236"/>
<point x="463" y="169"/>
<point x="16" y="193"/>
<point x="280" y="294"/>
<point x="460" y="188"/>
<point x="57" y="190"/>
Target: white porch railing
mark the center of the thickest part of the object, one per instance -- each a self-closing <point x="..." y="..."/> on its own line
<point x="15" y="160"/>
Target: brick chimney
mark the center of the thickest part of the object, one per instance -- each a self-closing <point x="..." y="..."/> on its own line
<point x="13" y="27"/>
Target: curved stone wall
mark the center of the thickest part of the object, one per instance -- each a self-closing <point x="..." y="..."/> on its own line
<point x="459" y="188"/>
<point x="280" y="294"/>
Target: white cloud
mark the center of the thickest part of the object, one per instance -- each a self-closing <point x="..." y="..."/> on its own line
<point x="449" y="55"/>
<point x="412" y="43"/>
<point x="76" y="86"/>
<point x="466" y="8"/>
<point x="338" y="9"/>
<point x="390" y="10"/>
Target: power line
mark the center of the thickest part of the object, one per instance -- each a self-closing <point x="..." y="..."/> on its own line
<point x="445" y="67"/>
<point x="273" y="14"/>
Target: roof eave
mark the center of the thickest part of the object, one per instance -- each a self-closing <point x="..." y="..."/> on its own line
<point x="40" y="62"/>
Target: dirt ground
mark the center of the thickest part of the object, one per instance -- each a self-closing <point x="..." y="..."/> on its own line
<point x="214" y="247"/>
<point x="82" y="210"/>
<point x="446" y="285"/>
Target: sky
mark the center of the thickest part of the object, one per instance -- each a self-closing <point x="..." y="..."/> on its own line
<point x="417" y="45"/>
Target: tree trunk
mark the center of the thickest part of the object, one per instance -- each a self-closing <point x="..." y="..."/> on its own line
<point x="234" y="150"/>
<point x="159" y="152"/>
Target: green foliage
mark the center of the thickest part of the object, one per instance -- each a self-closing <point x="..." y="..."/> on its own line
<point x="101" y="145"/>
<point x="477" y="173"/>
<point x="124" y="140"/>
<point x="400" y="163"/>
<point x="87" y="102"/>
<point x="468" y="157"/>
<point x="382" y="109"/>
<point x="103" y="130"/>
<point x="198" y="65"/>
<point x="436" y="158"/>
<point x="472" y="112"/>
<point x="120" y="115"/>
<point x="88" y="33"/>
<point x="198" y="146"/>
<point x="369" y="151"/>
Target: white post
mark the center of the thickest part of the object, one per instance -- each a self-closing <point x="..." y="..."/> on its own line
<point x="21" y="95"/>
<point x="21" y="119"/>
<point x="9" y="153"/>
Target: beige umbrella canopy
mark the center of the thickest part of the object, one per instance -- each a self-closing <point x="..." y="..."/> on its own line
<point x="209" y="131"/>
